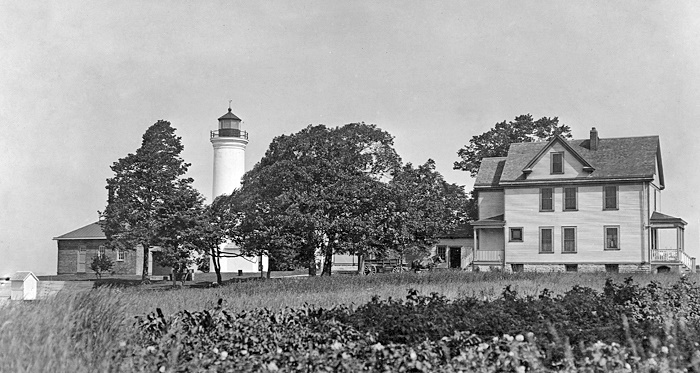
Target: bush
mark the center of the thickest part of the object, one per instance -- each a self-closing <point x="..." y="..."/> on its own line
<point x="101" y="264"/>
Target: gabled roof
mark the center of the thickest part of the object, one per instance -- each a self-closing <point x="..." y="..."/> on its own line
<point x="89" y="232"/>
<point x="565" y="144"/>
<point x="616" y="158"/>
<point x="22" y="275"/>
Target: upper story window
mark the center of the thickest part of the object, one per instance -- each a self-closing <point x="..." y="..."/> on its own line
<point x="610" y="197"/>
<point x="546" y="199"/>
<point x="570" y="201"/>
<point x="557" y="163"/>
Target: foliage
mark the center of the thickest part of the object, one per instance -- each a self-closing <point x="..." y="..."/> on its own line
<point x="315" y="189"/>
<point x="101" y="264"/>
<point x="145" y="192"/>
<point x="422" y="334"/>
<point x="419" y="205"/>
<point x="496" y="141"/>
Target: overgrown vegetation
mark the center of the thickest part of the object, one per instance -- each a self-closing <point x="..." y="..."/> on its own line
<point x="623" y="325"/>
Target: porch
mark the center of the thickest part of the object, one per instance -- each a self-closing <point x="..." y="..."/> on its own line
<point x="668" y="243"/>
<point x="489" y="242"/>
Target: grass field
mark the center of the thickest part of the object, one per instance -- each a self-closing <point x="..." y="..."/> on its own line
<point x="74" y="332"/>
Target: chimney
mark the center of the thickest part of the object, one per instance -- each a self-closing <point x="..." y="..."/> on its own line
<point x="593" y="145"/>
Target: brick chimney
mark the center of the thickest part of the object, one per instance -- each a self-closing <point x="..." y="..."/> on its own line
<point x="593" y="145"/>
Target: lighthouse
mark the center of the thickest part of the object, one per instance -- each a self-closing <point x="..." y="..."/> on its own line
<point x="229" y="143"/>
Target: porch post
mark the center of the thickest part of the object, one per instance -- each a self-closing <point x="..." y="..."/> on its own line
<point x="476" y="247"/>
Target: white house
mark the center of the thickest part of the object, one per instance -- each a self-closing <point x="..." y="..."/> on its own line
<point x="577" y="205"/>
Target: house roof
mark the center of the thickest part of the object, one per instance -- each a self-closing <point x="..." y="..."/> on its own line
<point x="498" y="220"/>
<point x="89" y="232"/>
<point x="464" y="230"/>
<point x="22" y="275"/>
<point x="615" y="158"/>
<point x="490" y="171"/>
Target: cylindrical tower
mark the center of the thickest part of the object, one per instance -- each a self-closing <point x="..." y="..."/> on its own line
<point x="229" y="143"/>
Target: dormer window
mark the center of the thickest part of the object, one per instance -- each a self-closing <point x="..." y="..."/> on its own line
<point x="558" y="163"/>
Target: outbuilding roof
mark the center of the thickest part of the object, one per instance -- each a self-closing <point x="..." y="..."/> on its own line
<point x="615" y="158"/>
<point x="89" y="232"/>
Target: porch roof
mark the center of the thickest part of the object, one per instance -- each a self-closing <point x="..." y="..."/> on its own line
<point x="658" y="218"/>
<point x="492" y="222"/>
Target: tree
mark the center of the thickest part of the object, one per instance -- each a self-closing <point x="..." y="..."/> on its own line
<point x="496" y="141"/>
<point x="101" y="264"/>
<point x="180" y="233"/>
<point x="420" y="206"/>
<point x="144" y="185"/>
<point x="312" y="191"/>
<point x="215" y="225"/>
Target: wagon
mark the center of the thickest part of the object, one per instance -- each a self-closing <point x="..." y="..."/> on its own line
<point x="384" y="265"/>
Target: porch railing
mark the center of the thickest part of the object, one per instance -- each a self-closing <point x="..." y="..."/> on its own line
<point x="673" y="256"/>
<point x="488" y="256"/>
<point x="469" y="258"/>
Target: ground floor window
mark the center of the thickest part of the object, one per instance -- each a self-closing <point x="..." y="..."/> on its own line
<point x="516" y="235"/>
<point x="101" y="251"/>
<point x="442" y="252"/>
<point x="546" y="239"/>
<point x="569" y="239"/>
<point x="121" y="255"/>
<point x="612" y="237"/>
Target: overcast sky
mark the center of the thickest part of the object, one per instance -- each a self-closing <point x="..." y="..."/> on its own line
<point x="81" y="81"/>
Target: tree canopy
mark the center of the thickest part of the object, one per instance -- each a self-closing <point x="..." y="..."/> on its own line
<point x="148" y="193"/>
<point x="496" y="141"/>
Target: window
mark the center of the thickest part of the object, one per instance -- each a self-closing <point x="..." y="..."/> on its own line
<point x="546" y="235"/>
<point x="613" y="268"/>
<point x="517" y="267"/>
<point x="121" y="255"/>
<point x="516" y="235"/>
<point x="442" y="252"/>
<point x="570" y="199"/>
<point x="557" y="163"/>
<point x="101" y="251"/>
<point x="612" y="237"/>
<point x="610" y="197"/>
<point x="546" y="200"/>
<point x="569" y="239"/>
<point x="571" y="267"/>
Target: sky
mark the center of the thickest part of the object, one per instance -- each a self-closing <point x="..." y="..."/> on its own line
<point x="80" y="82"/>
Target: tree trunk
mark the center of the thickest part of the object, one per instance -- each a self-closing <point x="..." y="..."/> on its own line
<point x="144" y="274"/>
<point x="327" y="261"/>
<point x="173" y="274"/>
<point x="312" y="266"/>
<point x="216" y="262"/>
<point x="361" y="264"/>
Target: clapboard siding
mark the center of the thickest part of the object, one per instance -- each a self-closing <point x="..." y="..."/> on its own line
<point x="490" y="203"/>
<point x="522" y="210"/>
<point x="542" y="169"/>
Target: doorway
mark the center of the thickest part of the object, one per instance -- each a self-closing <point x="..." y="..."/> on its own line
<point x="455" y="257"/>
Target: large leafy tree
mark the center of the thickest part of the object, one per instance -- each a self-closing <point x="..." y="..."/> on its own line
<point x="496" y="141"/>
<point x="420" y="206"/>
<point x="312" y="192"/>
<point x="145" y="192"/>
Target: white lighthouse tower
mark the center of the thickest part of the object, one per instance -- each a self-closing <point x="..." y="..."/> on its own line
<point x="229" y="143"/>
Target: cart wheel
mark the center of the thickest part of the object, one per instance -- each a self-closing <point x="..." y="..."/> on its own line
<point x="370" y="270"/>
<point x="399" y="269"/>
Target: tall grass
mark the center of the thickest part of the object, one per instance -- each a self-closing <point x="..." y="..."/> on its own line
<point x="76" y="332"/>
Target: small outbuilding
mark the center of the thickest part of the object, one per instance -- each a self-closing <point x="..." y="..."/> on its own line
<point x="24" y="286"/>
